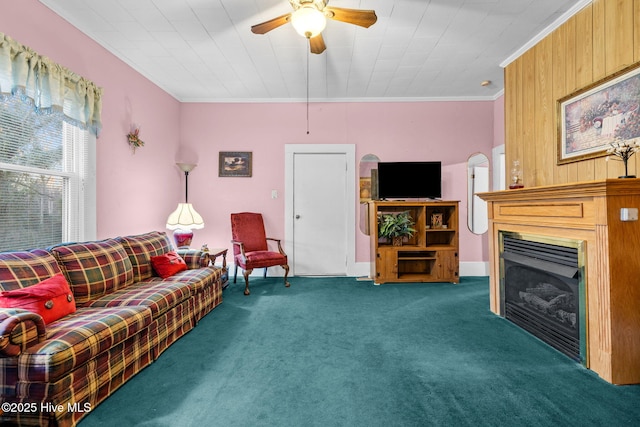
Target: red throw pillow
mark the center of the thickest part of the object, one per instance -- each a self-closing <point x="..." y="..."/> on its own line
<point x="52" y="298"/>
<point x="168" y="264"/>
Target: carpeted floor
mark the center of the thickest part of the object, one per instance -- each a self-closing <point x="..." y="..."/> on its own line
<point x="342" y="352"/>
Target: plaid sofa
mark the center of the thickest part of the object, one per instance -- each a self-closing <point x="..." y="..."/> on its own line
<point x="126" y="317"/>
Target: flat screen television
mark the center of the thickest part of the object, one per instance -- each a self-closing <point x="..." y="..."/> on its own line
<point x="409" y="180"/>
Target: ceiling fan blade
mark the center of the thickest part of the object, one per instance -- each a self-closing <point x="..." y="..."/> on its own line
<point x="363" y="18"/>
<point x="316" y="44"/>
<point x="271" y="24"/>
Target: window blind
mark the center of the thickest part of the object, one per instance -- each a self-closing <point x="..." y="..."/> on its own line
<point x="43" y="165"/>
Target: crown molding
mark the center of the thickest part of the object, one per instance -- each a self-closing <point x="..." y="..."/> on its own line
<point x="343" y="100"/>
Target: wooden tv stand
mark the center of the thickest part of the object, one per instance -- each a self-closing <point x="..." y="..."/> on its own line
<point x="431" y="255"/>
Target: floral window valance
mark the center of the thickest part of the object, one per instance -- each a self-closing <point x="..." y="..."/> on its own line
<point x="50" y="86"/>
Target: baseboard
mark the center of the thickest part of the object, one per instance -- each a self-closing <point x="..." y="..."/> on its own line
<point x="466" y="269"/>
<point x="474" y="269"/>
<point x="363" y="269"/>
<point x="257" y="272"/>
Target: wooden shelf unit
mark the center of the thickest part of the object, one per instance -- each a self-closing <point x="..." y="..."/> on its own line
<point x="431" y="255"/>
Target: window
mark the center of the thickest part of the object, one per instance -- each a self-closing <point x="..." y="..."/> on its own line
<point x="47" y="158"/>
<point x="47" y="178"/>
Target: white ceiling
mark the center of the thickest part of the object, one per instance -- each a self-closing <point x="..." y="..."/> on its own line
<point x="204" y="51"/>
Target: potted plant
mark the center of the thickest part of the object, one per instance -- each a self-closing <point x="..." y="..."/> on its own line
<point x="396" y="226"/>
<point x="624" y="150"/>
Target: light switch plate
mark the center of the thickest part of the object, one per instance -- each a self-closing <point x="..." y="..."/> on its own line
<point x="628" y="214"/>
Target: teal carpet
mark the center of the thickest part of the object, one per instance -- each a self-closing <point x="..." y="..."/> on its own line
<point x="342" y="352"/>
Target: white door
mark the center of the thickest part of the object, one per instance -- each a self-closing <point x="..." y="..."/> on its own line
<point x="320" y="207"/>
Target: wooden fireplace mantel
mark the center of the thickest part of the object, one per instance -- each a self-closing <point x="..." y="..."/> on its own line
<point x="589" y="212"/>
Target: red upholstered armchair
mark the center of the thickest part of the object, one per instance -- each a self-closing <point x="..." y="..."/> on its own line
<point x="250" y="249"/>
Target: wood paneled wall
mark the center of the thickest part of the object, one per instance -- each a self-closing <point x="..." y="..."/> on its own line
<point x="601" y="39"/>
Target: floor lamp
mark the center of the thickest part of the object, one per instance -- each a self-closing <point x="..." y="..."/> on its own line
<point x="185" y="218"/>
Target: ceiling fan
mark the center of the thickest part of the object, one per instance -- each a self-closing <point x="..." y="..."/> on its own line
<point x="309" y="18"/>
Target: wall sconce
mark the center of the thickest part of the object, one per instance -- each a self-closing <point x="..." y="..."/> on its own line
<point x="133" y="137"/>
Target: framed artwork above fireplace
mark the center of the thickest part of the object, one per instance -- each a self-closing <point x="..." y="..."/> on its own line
<point x="590" y="119"/>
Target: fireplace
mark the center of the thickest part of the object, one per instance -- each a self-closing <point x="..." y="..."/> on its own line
<point x="543" y="289"/>
<point x="590" y="216"/>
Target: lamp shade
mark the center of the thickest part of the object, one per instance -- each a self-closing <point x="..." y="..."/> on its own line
<point x="308" y="21"/>
<point x="185" y="217"/>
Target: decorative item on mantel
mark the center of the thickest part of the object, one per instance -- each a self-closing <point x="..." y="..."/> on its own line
<point x="134" y="138"/>
<point x="516" y="176"/>
<point x="624" y="149"/>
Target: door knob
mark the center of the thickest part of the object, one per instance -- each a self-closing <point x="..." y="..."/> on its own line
<point x="297" y="216"/>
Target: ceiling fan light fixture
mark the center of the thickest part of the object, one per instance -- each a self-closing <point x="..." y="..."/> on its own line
<point x="308" y="21"/>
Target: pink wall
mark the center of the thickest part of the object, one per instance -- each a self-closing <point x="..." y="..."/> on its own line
<point x="446" y="131"/>
<point x="498" y="121"/>
<point x="136" y="192"/>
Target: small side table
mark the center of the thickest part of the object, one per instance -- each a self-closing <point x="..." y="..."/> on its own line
<point x="215" y="253"/>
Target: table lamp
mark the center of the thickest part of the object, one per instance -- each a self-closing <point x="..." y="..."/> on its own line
<point x="185" y="218"/>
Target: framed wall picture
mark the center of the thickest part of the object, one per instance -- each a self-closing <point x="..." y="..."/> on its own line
<point x="590" y="119"/>
<point x="365" y="189"/>
<point x="234" y="163"/>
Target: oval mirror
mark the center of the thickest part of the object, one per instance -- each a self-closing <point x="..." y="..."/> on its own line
<point x="477" y="182"/>
<point x="368" y="188"/>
